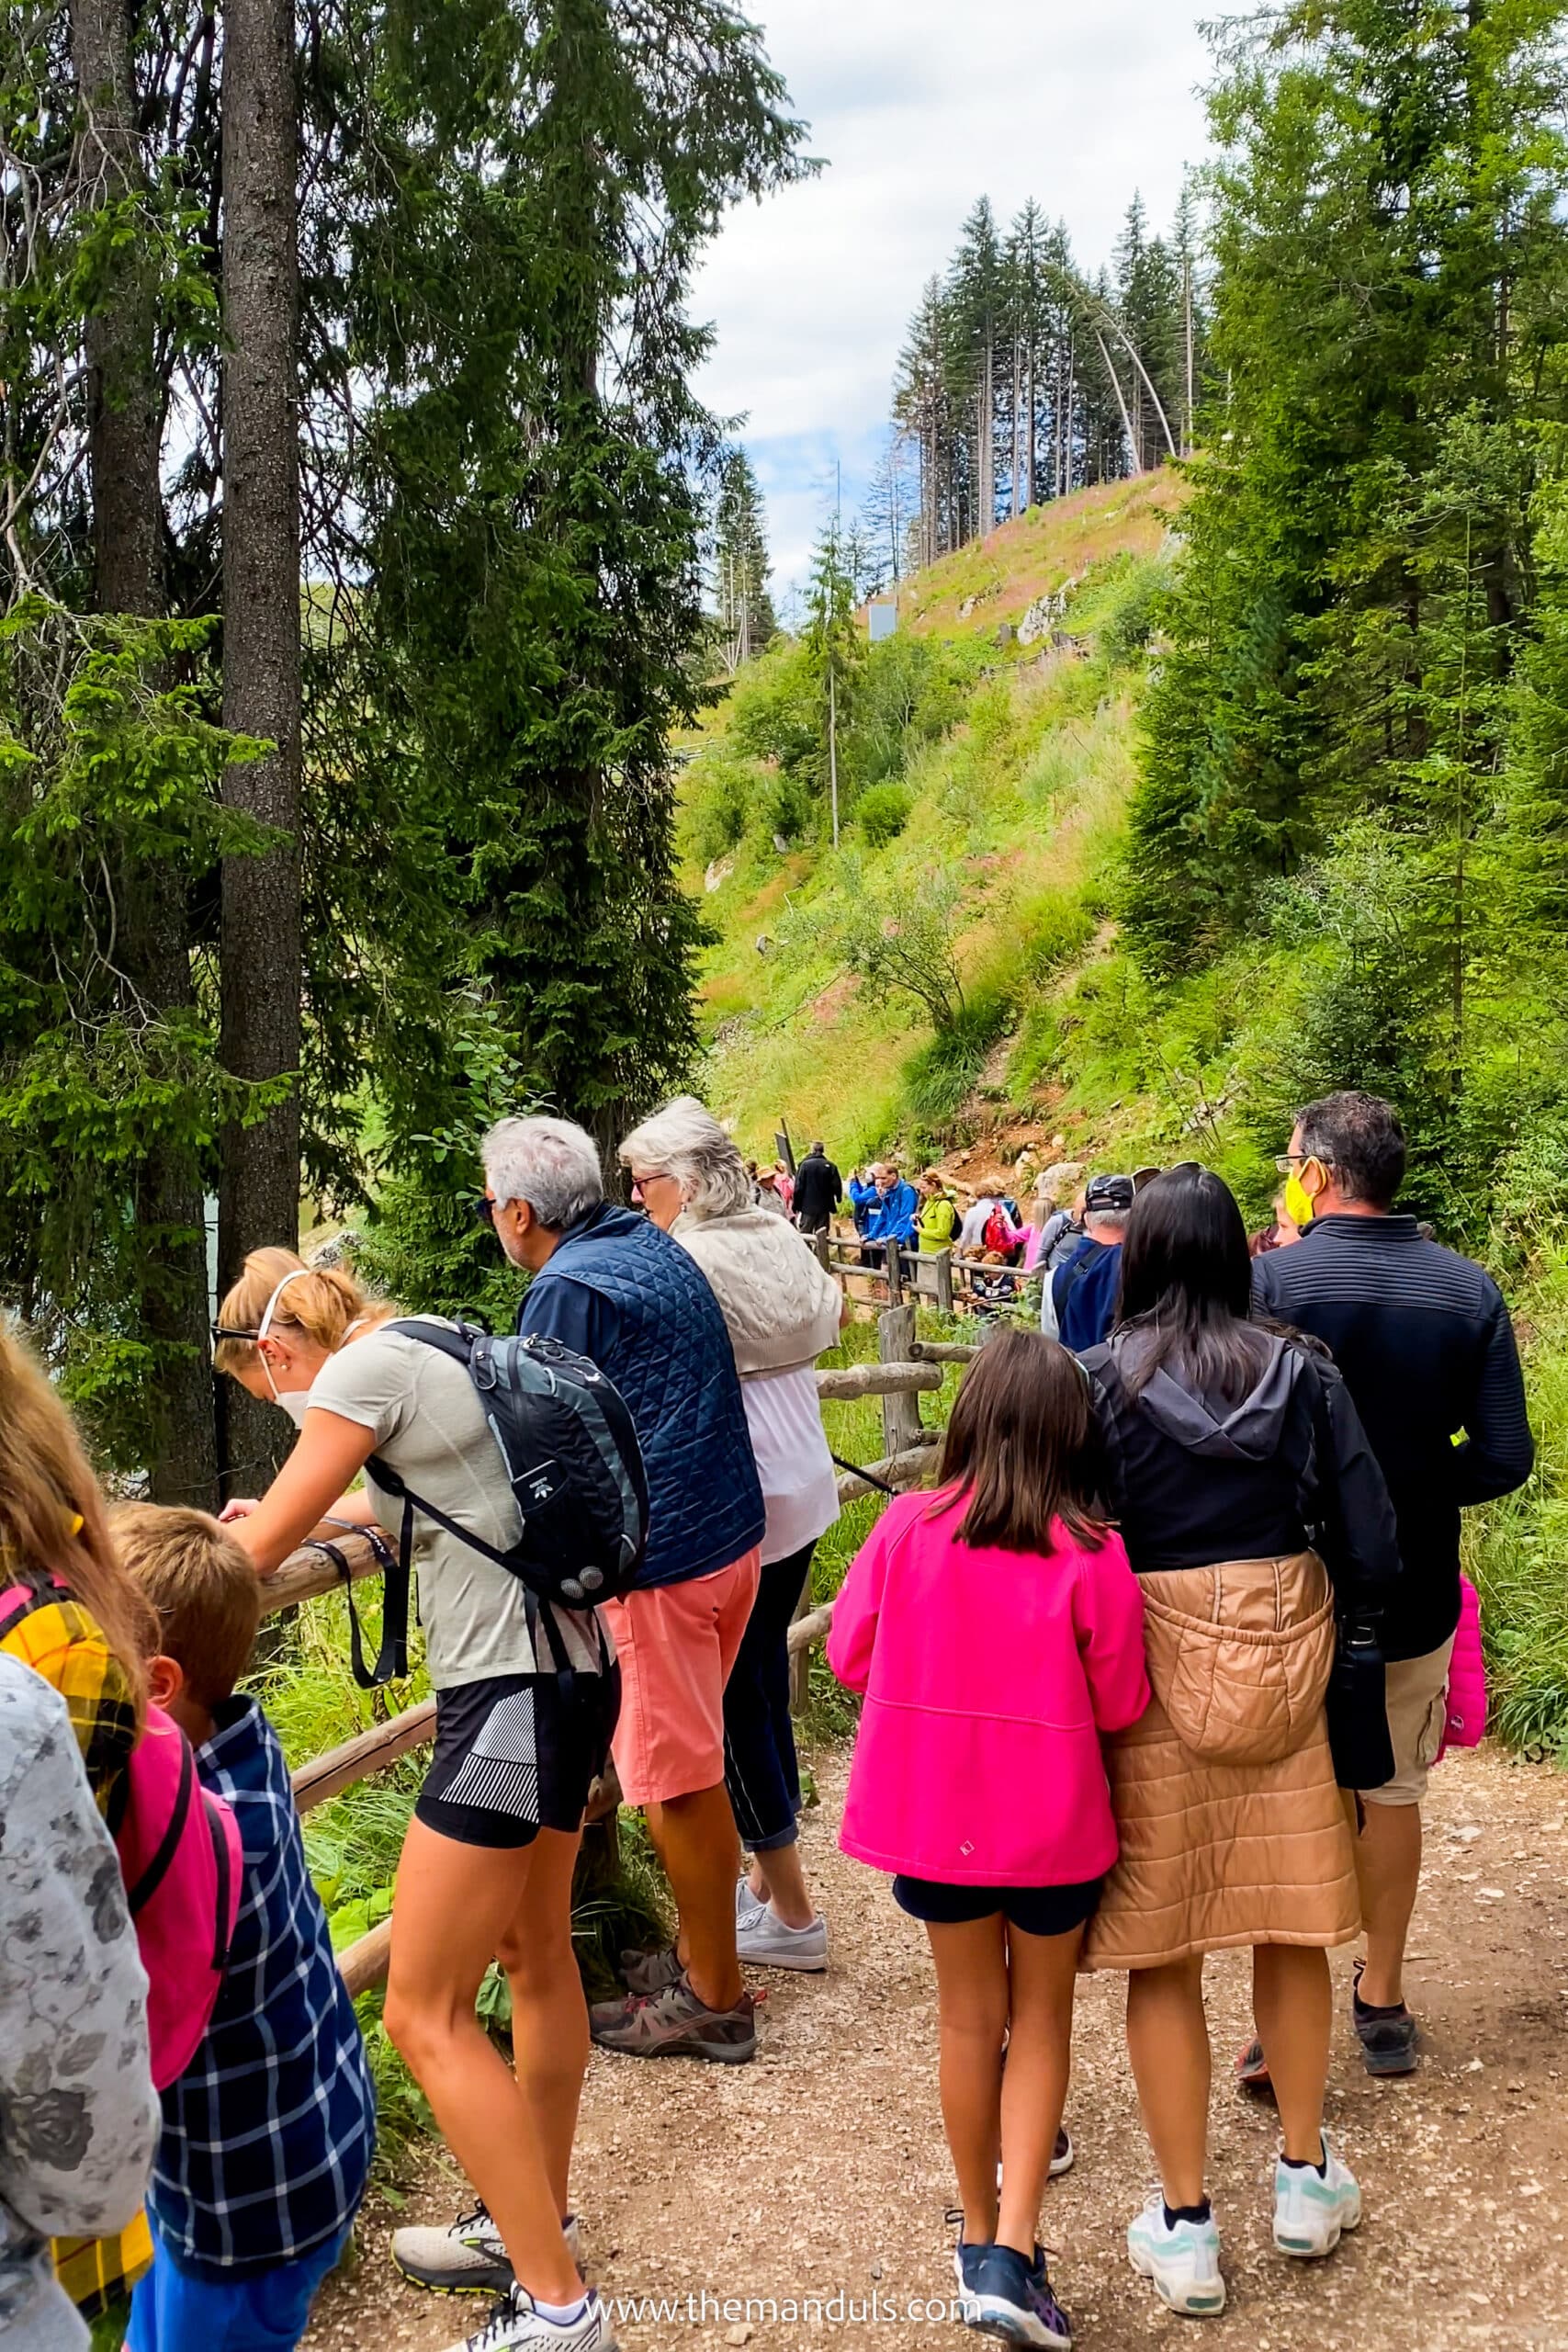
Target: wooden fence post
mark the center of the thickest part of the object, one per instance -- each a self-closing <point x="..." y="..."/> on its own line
<point x="942" y="1263"/>
<point x="818" y="1243"/>
<point x="895" y="1344"/>
<point x="895" y="1273"/>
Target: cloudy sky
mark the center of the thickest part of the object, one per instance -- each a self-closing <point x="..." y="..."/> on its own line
<point x="916" y="107"/>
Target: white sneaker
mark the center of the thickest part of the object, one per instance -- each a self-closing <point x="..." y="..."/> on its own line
<point x="1182" y="2263"/>
<point x="762" y="1941"/>
<point x="749" y="1907"/>
<point x="515" y="2325"/>
<point x="1311" y="2210"/>
<point x="469" y="2258"/>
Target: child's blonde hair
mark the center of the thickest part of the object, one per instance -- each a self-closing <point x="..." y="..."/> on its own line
<point x="322" y="1301"/>
<point x="202" y="1585"/>
<point x="53" y="1518"/>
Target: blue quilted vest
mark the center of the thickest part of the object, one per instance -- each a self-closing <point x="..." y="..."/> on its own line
<point x="673" y="1363"/>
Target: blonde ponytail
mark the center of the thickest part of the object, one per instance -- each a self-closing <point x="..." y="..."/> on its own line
<point x="322" y="1301"/>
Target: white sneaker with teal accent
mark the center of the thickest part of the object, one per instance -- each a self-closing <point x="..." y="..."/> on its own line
<point x="1312" y="2209"/>
<point x="1181" y="2263"/>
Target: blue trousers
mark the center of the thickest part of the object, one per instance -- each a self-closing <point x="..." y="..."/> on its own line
<point x="759" y="1769"/>
<point x="266" y="2311"/>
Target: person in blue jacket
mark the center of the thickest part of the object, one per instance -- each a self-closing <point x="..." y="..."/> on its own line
<point x="862" y="1199"/>
<point x="1084" y="1288"/>
<point x="893" y="1216"/>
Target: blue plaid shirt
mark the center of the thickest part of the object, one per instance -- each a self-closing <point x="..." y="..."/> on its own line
<point x="268" y="2134"/>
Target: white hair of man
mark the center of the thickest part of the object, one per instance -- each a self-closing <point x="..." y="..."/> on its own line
<point x="686" y="1141"/>
<point x="553" y="1164"/>
<point x="1097" y="1221"/>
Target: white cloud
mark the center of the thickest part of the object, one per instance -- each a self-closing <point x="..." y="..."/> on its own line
<point x="920" y="107"/>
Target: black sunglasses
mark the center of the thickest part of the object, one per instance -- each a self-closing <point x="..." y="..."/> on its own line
<point x="484" y="1209"/>
<point x="223" y="1332"/>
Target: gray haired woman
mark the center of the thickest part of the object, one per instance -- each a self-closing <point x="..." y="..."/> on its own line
<point x="781" y="1310"/>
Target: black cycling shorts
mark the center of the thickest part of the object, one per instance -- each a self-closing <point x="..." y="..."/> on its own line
<point x="1034" y="1910"/>
<point x="514" y="1755"/>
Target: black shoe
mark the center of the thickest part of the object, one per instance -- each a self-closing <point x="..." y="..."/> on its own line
<point x="1388" y="2037"/>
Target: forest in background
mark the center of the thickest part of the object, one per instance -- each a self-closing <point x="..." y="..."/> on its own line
<point x="297" y="891"/>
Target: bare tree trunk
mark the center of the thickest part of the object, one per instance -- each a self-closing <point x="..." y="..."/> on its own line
<point x="261" y="919"/>
<point x="1028" y="398"/>
<point x="1017" y="425"/>
<point x="124" y="414"/>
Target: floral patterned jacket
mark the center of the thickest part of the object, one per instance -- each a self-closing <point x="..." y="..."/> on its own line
<point x="78" y="2113"/>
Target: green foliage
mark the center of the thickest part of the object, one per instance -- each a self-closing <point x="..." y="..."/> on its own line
<point x="882" y="812"/>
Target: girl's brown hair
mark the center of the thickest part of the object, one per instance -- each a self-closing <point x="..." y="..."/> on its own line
<point x="323" y="1304"/>
<point x="46" y="1485"/>
<point x="1022" y="1448"/>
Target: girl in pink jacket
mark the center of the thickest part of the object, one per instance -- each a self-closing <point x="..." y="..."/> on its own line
<point x="996" y="1630"/>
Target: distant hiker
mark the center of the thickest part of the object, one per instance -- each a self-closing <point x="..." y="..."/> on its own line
<point x="1228" y="1446"/>
<point x="246" y="2229"/>
<point x="1059" y="1239"/>
<point x="78" y="2113"/>
<point x="937" y="1220"/>
<point x="991" y="1222"/>
<point x="1428" y="1352"/>
<point x="863" y="1198"/>
<point x="487" y="1862"/>
<point x="767" y="1193"/>
<point x="818" y="1191"/>
<point x="1083" y="1288"/>
<point x="893" y="1218"/>
<point x="784" y="1184"/>
<point x="781" y="1310"/>
<point x="992" y="1284"/>
<point x="977" y="1778"/>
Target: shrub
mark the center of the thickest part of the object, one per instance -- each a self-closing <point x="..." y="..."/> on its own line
<point x="882" y="812"/>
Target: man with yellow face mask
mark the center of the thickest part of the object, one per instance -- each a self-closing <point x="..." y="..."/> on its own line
<point x="1426" y="1350"/>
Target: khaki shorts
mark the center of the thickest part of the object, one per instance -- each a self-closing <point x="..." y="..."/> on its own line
<point x="1417" y="1705"/>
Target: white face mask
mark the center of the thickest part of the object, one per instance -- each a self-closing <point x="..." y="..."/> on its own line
<point x="292" y="1402"/>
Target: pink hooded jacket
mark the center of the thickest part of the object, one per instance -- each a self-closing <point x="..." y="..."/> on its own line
<point x="988" y="1678"/>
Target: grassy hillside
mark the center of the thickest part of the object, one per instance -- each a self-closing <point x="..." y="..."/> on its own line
<point x="984" y="787"/>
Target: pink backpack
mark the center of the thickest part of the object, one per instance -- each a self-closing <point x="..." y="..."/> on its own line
<point x="180" y="1857"/>
<point x="1466" y="1726"/>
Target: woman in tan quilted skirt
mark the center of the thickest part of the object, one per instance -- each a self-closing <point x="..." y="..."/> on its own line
<point x="1228" y="1445"/>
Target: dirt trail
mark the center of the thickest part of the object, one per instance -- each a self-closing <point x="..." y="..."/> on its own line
<point x="820" y="2171"/>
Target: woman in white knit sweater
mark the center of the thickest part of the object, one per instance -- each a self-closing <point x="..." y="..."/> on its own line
<point x="781" y="1310"/>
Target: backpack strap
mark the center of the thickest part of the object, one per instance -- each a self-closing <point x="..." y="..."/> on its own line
<point x="221" y="1933"/>
<point x="153" y="1877"/>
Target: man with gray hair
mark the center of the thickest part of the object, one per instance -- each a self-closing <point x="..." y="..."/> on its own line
<point x="615" y="1288"/>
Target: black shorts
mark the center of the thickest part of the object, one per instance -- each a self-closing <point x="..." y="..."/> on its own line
<point x="514" y="1756"/>
<point x="1034" y="1910"/>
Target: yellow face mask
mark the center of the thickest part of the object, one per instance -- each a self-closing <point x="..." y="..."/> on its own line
<point x="1299" y="1203"/>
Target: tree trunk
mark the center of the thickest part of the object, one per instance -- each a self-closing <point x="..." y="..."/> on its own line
<point x="261" y="919"/>
<point x="124" y="416"/>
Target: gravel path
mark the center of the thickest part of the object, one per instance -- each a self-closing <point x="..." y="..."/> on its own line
<point x="819" y="2171"/>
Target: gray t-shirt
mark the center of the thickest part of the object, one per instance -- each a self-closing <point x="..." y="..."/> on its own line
<point x="427" y="1422"/>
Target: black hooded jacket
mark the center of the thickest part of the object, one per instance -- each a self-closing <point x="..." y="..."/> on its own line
<point x="1192" y="1481"/>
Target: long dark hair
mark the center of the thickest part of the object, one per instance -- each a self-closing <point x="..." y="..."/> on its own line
<point x="1187" y="1287"/>
<point x="1022" y="1448"/>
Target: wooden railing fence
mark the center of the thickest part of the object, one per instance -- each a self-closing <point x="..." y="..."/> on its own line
<point x="907" y="1368"/>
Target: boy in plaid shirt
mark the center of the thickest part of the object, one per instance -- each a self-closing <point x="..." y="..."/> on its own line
<point x="267" y="2136"/>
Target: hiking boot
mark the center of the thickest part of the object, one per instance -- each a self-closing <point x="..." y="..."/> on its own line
<point x="468" y="2257"/>
<point x="1180" y="2260"/>
<point x="1388" y="2037"/>
<point x="1000" y="2295"/>
<point x="762" y="1941"/>
<point x="517" y="2326"/>
<point x="649" y="1971"/>
<point x="1310" y="2209"/>
<point x="674" y="2024"/>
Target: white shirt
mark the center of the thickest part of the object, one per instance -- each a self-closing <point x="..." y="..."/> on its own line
<point x="799" y="1486"/>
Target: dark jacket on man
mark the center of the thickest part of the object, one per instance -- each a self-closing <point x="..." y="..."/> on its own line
<point x="818" y="1189"/>
<point x="1426" y="1350"/>
<point x="1083" y="1291"/>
